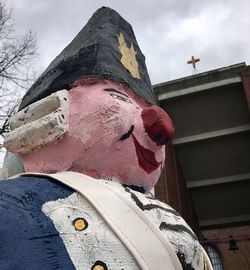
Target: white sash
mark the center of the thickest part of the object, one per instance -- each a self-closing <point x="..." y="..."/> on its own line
<point x="143" y="239"/>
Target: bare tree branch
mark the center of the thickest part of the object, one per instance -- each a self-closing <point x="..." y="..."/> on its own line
<point x="16" y="54"/>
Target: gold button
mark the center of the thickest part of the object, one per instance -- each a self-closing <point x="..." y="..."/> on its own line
<point x="98" y="267"/>
<point x="80" y="224"/>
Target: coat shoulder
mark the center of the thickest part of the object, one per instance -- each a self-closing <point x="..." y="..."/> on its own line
<point x="29" y="191"/>
<point x="26" y="233"/>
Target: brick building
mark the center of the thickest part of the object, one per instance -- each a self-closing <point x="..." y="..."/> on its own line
<point x="207" y="174"/>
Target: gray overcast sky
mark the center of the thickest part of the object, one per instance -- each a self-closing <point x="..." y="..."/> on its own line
<point x="169" y="32"/>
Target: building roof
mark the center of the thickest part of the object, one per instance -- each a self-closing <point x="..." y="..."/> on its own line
<point x="211" y="116"/>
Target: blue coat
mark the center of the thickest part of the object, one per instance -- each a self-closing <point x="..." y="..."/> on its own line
<point x="28" y="238"/>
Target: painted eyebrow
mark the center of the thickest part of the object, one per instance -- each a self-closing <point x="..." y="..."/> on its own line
<point x="114" y="91"/>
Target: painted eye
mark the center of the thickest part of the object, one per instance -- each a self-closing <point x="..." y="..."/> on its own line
<point x="121" y="98"/>
<point x="118" y="95"/>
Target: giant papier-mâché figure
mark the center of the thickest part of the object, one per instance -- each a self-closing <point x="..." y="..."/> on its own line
<point x="92" y="115"/>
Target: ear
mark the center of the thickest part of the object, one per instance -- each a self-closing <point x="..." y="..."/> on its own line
<point x="38" y="124"/>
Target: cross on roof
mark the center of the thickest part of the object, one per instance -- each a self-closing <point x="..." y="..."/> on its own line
<point x="193" y="61"/>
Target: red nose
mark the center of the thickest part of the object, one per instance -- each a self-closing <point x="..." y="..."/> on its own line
<point x="157" y="124"/>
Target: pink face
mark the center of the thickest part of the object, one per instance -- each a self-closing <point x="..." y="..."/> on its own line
<point x="113" y="134"/>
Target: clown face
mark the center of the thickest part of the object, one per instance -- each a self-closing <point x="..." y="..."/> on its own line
<point x="113" y="134"/>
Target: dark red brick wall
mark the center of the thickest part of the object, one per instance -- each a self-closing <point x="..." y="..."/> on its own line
<point x="171" y="188"/>
<point x="238" y="260"/>
<point x="246" y="84"/>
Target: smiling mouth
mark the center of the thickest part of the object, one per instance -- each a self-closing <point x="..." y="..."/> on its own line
<point x="146" y="158"/>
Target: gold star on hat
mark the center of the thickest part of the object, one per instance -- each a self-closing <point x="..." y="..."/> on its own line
<point x="128" y="58"/>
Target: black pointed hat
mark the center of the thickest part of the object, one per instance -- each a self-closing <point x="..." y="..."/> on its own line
<point x="106" y="47"/>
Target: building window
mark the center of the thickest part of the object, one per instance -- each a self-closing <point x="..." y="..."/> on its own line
<point x="215" y="257"/>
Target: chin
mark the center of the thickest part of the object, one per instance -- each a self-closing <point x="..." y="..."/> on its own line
<point x="139" y="179"/>
<point x="129" y="177"/>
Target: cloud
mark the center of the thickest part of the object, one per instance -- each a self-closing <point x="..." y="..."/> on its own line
<point x="169" y="32"/>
